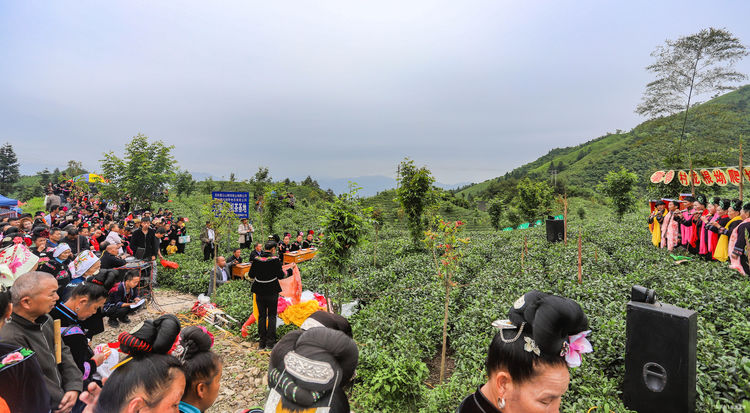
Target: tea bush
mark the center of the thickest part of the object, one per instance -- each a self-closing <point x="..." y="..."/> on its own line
<point x="399" y="326"/>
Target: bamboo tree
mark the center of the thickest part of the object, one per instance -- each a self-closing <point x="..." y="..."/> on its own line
<point x="694" y="65"/>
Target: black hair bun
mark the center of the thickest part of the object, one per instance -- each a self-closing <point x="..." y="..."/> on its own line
<point x="323" y="318"/>
<point x="309" y="368"/>
<point x="549" y="319"/>
<point x="154" y="336"/>
<point x="105" y="277"/>
<point x="194" y="340"/>
<point x="736" y="204"/>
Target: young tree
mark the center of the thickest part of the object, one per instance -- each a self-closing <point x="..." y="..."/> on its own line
<point x="272" y="205"/>
<point x="145" y="171"/>
<point x="694" y="65"/>
<point x="344" y="223"/>
<point x="534" y="198"/>
<point x="413" y="193"/>
<point x="445" y="244"/>
<point x="8" y="169"/>
<point x="618" y="186"/>
<point x="223" y="220"/>
<point x="495" y="209"/>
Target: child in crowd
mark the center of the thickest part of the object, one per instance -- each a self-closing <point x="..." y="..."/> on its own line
<point x="172" y="247"/>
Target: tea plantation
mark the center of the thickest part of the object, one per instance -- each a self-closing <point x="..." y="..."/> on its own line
<point x="399" y="323"/>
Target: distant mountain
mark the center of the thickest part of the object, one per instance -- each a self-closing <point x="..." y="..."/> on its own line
<point x="371" y="184"/>
<point x="712" y="134"/>
<point x="200" y="176"/>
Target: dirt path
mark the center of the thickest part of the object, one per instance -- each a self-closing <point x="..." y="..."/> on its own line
<point x="244" y="380"/>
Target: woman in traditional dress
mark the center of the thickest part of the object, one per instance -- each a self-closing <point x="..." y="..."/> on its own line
<point x="708" y="239"/>
<point x="670" y="229"/>
<point x="738" y="242"/>
<point x="733" y="219"/>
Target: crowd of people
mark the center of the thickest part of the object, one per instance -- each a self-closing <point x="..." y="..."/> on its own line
<point x="713" y="229"/>
<point x="68" y="264"/>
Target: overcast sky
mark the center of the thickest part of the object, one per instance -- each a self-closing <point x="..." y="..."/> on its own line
<point x="337" y="89"/>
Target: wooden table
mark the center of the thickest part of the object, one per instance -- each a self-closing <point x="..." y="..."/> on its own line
<point x="240" y="270"/>
<point x="300" y="255"/>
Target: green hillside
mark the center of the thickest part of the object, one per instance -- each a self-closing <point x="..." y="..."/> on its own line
<point x="713" y="130"/>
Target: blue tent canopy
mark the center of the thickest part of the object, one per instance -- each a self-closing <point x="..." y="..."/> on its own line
<point x="7" y="202"/>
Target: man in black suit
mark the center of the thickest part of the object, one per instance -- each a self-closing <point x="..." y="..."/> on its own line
<point x="266" y="271"/>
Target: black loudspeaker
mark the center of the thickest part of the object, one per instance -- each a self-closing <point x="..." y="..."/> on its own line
<point x="555" y="230"/>
<point x="660" y="358"/>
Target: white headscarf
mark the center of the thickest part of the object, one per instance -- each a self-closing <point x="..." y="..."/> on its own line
<point x="60" y="249"/>
<point x="85" y="260"/>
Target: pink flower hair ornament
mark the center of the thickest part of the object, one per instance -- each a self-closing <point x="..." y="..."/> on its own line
<point x="575" y="347"/>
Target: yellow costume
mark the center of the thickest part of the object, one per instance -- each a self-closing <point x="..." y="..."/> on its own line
<point x="722" y="247"/>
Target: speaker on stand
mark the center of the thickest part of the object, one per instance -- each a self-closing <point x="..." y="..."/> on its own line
<point x="660" y="356"/>
<point x="555" y="230"/>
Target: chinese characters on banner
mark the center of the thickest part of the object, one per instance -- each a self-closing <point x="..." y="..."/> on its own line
<point x="709" y="177"/>
<point x="240" y="201"/>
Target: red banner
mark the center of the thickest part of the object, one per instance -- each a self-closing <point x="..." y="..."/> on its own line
<point x="708" y="177"/>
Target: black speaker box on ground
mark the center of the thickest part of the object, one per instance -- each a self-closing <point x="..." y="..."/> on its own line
<point x="660" y="358"/>
<point x="555" y="230"/>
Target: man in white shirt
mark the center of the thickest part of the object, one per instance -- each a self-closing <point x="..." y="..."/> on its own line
<point x="113" y="237"/>
<point x="208" y="237"/>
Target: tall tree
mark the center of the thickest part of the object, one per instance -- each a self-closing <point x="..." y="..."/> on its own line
<point x="44" y="177"/>
<point x="618" y="186"/>
<point x="75" y="168"/>
<point x="184" y="183"/>
<point x="413" y="193"/>
<point x="8" y="169"/>
<point x="272" y="206"/>
<point x="495" y="209"/>
<point x="534" y="198"/>
<point x="144" y="173"/>
<point x="260" y="180"/>
<point x="691" y="66"/>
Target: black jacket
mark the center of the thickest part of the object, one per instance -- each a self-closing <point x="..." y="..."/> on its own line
<point x="74" y="336"/>
<point x="266" y="271"/>
<point x="77" y="244"/>
<point x="39" y="337"/>
<point x="21" y="379"/>
<point x="118" y="296"/>
<point x="111" y="261"/>
<point x="147" y="241"/>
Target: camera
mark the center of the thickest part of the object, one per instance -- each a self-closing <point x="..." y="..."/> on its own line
<point x="642" y="295"/>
